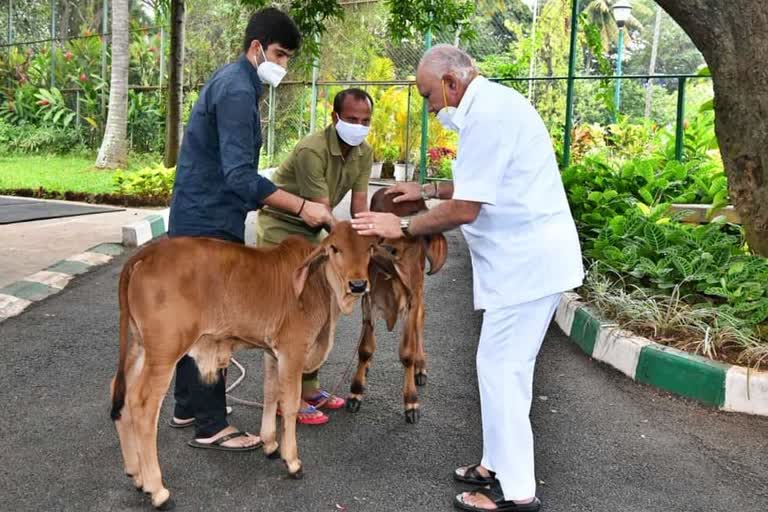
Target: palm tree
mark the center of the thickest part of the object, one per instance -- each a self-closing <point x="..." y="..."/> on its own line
<point x="599" y="13"/>
<point x="114" y="146"/>
<point x="175" y="81"/>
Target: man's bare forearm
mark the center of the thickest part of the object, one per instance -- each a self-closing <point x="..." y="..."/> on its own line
<point x="444" y="217"/>
<point x="285" y="201"/>
<point x="359" y="203"/>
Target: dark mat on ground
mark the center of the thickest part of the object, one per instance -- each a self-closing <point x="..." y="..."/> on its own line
<point x="14" y="210"/>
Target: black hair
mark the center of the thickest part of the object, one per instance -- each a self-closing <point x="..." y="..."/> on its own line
<point x="358" y="94"/>
<point x="271" y="25"/>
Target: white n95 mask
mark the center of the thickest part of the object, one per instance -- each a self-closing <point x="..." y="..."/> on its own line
<point x="352" y="134"/>
<point x="270" y="72"/>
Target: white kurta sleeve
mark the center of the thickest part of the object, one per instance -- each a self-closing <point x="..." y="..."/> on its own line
<point x="485" y="152"/>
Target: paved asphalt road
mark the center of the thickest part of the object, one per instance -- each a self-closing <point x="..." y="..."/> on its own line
<point x="604" y="443"/>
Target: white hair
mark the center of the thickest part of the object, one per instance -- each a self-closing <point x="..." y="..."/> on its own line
<point x="444" y="58"/>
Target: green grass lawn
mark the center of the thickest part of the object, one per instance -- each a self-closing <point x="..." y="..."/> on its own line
<point x="58" y="173"/>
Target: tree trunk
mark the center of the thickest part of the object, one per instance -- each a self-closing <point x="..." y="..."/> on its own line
<point x="175" y="84"/>
<point x="64" y="22"/>
<point x="731" y="36"/>
<point x="652" y="66"/>
<point x="114" y="147"/>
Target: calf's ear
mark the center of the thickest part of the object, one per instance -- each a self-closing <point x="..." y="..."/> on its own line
<point x="301" y="274"/>
<point x="437" y="252"/>
<point x="386" y="260"/>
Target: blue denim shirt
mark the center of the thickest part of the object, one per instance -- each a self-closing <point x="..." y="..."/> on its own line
<point x="217" y="182"/>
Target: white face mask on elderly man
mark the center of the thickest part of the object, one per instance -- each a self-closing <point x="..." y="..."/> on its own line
<point x="352" y="134"/>
<point x="270" y="72"/>
<point x="445" y="115"/>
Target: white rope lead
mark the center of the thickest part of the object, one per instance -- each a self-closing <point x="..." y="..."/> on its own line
<point x="260" y="405"/>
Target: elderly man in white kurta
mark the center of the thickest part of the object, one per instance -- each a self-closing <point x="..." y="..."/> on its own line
<point x="508" y="198"/>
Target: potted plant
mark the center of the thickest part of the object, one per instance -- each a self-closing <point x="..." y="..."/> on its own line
<point x="376" y="170"/>
<point x="389" y="154"/>
<point x="401" y="170"/>
<point x="403" y="167"/>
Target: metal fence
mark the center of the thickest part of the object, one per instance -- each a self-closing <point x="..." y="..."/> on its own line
<point x="299" y="107"/>
<point x="296" y="119"/>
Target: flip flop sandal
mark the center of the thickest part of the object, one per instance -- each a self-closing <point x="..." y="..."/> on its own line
<point x="217" y="444"/>
<point x="309" y="416"/>
<point x="327" y="400"/>
<point x="495" y="495"/>
<point x="472" y="476"/>
<point x="189" y="421"/>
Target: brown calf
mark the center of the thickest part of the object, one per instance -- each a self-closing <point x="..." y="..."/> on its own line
<point x="208" y="298"/>
<point x="402" y="297"/>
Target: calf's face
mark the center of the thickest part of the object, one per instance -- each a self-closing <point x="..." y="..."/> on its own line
<point x="344" y="257"/>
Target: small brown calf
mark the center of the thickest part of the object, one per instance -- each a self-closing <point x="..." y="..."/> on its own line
<point x="208" y="298"/>
<point x="399" y="292"/>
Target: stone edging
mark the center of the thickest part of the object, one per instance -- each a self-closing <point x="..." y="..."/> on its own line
<point x="150" y="227"/>
<point x="727" y="387"/>
<point x="16" y="297"/>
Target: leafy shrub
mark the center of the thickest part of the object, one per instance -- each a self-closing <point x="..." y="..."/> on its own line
<point x="27" y="138"/>
<point x="6" y="136"/>
<point x="151" y="183"/>
<point x="53" y="109"/>
<point x="146" y="121"/>
<point x="439" y="162"/>
<point x="621" y="210"/>
<point x="389" y="153"/>
<point x="445" y="170"/>
<point x="598" y="190"/>
<point x="707" y="263"/>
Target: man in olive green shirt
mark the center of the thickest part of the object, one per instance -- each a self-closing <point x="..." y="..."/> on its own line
<point x="323" y="168"/>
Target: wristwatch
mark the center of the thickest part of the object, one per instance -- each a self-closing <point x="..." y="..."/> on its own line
<point x="424" y="194"/>
<point x="405" y="224"/>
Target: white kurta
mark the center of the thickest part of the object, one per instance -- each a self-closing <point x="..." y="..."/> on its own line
<point x="525" y="252"/>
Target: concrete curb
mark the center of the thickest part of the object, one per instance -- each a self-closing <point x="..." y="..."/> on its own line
<point x="16" y="297"/>
<point x="141" y="232"/>
<point x="727" y="387"/>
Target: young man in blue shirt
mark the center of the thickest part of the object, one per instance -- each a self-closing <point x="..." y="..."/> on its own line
<point x="217" y="183"/>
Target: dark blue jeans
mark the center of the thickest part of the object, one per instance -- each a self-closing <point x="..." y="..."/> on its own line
<point x="206" y="403"/>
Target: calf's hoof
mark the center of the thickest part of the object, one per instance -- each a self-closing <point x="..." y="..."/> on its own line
<point x="162" y="500"/>
<point x="273" y="455"/>
<point x="295" y="470"/>
<point x="168" y="504"/>
<point x="137" y="482"/>
<point x="353" y="404"/>
<point x="421" y="379"/>
<point x="412" y="416"/>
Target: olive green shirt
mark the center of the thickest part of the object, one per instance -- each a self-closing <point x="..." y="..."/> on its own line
<point x="316" y="169"/>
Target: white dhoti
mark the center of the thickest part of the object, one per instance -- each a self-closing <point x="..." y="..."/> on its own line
<point x="510" y="340"/>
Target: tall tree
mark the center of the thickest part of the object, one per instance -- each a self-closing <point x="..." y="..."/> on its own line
<point x="114" y="146"/>
<point x="601" y="15"/>
<point x="731" y="36"/>
<point x="175" y="83"/>
<point x="652" y="65"/>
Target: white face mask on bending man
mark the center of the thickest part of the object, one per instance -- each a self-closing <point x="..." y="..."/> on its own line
<point x="352" y="119"/>
<point x="352" y="134"/>
<point x="270" y="72"/>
